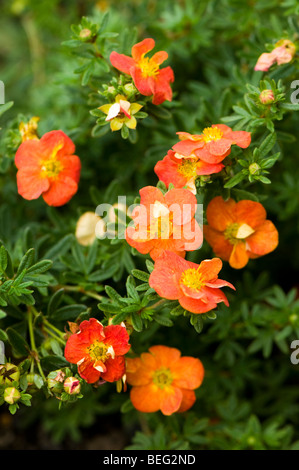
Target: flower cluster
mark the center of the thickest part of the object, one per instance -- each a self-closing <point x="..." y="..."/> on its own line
<point x="164" y="225"/>
<point x="199" y="154"/>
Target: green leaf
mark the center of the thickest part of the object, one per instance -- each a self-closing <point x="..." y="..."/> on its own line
<point x="242" y="194"/>
<point x="141" y="275"/>
<point x="5" y="107"/>
<point x="267" y="145"/>
<point x="2" y="314"/>
<point x="3" y="259"/>
<point x="109" y="307"/>
<point x="60" y="248"/>
<point x="162" y="320"/>
<point x="69" y="312"/>
<point x="115" y="296"/>
<point x="131" y="289"/>
<point x="137" y="322"/>
<point x="120" y="317"/>
<point x="52" y="362"/>
<point x="197" y="321"/>
<point x="235" y="180"/>
<point x="18" y="343"/>
<point x="103" y="274"/>
<point x="40" y="267"/>
<point x="127" y="406"/>
<point x="26" y="261"/>
<point x="54" y="301"/>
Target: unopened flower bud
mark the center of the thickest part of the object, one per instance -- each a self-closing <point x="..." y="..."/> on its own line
<point x="111" y="89"/>
<point x="85" y="33"/>
<point x="9" y="373"/>
<point x="11" y="395"/>
<point x="267" y="97"/>
<point x="72" y="386"/>
<point x="87" y="226"/>
<point x="254" y="168"/>
<point x="55" y="377"/>
<point x="293" y="318"/>
<point x="130" y="88"/>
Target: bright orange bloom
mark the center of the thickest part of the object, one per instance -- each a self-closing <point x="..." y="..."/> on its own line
<point x="283" y="53"/>
<point x="148" y="78"/>
<point x="98" y="351"/>
<point x="48" y="167"/>
<point x="195" y="286"/>
<point x="213" y="145"/>
<point x="163" y="380"/>
<point x="238" y="231"/>
<point x="183" y="171"/>
<point x="164" y="222"/>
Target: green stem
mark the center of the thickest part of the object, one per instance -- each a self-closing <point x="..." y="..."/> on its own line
<point x="32" y="343"/>
<point x="82" y="291"/>
<point x="52" y="327"/>
<point x="57" y="338"/>
<point x="157" y="304"/>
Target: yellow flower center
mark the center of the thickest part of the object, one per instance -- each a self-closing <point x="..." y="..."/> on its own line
<point x="162" y="228"/>
<point x="98" y="351"/>
<point x="235" y="233"/>
<point x="187" y="168"/>
<point x="192" y="278"/>
<point x="51" y="167"/>
<point x="212" y="134"/>
<point x="162" y="377"/>
<point x="148" y="67"/>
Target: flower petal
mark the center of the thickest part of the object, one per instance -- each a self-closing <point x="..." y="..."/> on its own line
<point x="115" y="369"/>
<point x="117" y="337"/>
<point x="146" y="398"/>
<point x="60" y="192"/>
<point x="30" y="182"/>
<point x="239" y="257"/>
<point x="142" y="47"/>
<point x="188" y="400"/>
<point x="171" y="400"/>
<point x="219" y="244"/>
<point x="264" y="239"/>
<point x="166" y="274"/>
<point x="187" y="372"/>
<point x="122" y="62"/>
<point x="220" y="213"/>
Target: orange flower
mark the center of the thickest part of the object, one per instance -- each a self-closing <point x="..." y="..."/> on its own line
<point x="164" y="222"/>
<point x="213" y="145"/>
<point x="163" y="380"/>
<point x="98" y="351"/>
<point x="239" y="231"/>
<point x="48" y="167"/>
<point x="148" y="78"/>
<point x="195" y="286"/>
<point x="183" y="172"/>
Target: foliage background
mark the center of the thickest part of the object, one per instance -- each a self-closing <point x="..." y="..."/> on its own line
<point x="249" y="398"/>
